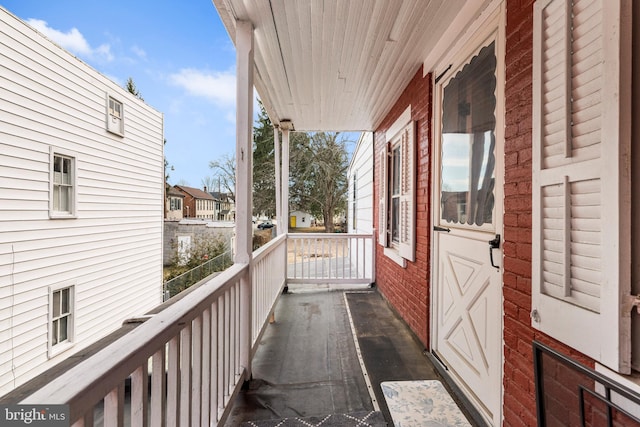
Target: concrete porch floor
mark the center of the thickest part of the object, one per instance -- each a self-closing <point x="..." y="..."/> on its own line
<point x="306" y="363"/>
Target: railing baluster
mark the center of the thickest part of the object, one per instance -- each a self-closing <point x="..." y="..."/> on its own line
<point x="114" y="407"/>
<point x="342" y="246"/>
<point x="140" y="396"/>
<point x="316" y="255"/>
<point x="220" y="361"/>
<point x="173" y="383"/>
<point x="237" y="334"/>
<point x="295" y="258"/>
<point x="185" y="376"/>
<point x="196" y="376"/>
<point x="232" y="336"/>
<point x="226" y="347"/>
<point x="158" y="388"/>
<point x="303" y="244"/>
<point x="206" y="367"/>
<point x="86" y="420"/>
<point x="215" y="415"/>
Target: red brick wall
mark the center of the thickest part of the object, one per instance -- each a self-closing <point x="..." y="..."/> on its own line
<point x="407" y="288"/>
<point x="519" y="388"/>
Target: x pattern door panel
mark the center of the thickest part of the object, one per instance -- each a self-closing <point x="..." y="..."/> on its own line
<point x="469" y="317"/>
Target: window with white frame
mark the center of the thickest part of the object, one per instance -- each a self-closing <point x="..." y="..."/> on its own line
<point x="61" y="323"/>
<point x="115" y="116"/>
<point x="62" y="185"/>
<point x="396" y="202"/>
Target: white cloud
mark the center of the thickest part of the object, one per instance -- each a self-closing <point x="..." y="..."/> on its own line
<point x="73" y="41"/>
<point x="104" y="51"/>
<point x="139" y="51"/>
<point x="217" y="87"/>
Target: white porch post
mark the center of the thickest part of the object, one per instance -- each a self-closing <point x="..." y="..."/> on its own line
<point x="286" y="127"/>
<point x="276" y="147"/>
<point x="244" y="181"/>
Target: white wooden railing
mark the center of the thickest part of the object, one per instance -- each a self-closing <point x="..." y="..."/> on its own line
<point x="330" y="258"/>
<point x="186" y="363"/>
<point x="268" y="278"/>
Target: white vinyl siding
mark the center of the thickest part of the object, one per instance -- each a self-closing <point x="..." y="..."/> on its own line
<point x="581" y="183"/>
<point x="112" y="250"/>
<point x="361" y="210"/>
<point x="400" y="151"/>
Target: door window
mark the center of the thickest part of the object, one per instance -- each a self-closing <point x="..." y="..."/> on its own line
<point x="468" y="142"/>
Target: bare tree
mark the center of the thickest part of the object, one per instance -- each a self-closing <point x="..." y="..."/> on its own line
<point x="224" y="171"/>
<point x="210" y="183"/>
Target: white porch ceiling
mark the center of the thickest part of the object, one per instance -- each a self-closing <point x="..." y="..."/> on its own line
<point x="338" y="65"/>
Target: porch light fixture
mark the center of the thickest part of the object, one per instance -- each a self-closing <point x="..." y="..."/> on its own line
<point x="286" y="125"/>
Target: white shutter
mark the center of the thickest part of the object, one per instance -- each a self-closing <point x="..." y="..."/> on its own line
<point x="406" y="246"/>
<point x="382" y="198"/>
<point x="581" y="184"/>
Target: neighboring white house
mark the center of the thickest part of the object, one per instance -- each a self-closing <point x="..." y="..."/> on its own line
<point x="174" y="202"/>
<point x="81" y="204"/>
<point x="360" y="194"/>
<point x="300" y="219"/>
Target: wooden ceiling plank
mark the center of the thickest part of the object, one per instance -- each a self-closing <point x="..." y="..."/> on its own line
<point x="268" y="58"/>
<point x="327" y="65"/>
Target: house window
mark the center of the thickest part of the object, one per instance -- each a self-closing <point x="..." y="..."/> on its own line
<point x="175" y="204"/>
<point x="396" y="220"/>
<point x="62" y="185"/>
<point x="115" y="108"/>
<point x="115" y="116"/>
<point x="61" y="319"/>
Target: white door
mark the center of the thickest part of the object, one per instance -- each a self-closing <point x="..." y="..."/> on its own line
<point x="184" y="249"/>
<point x="467" y="296"/>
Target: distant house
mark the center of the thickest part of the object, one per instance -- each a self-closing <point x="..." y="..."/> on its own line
<point x="225" y="208"/>
<point x="80" y="204"/>
<point x="197" y="203"/>
<point x="174" y="203"/>
<point x="300" y="219"/>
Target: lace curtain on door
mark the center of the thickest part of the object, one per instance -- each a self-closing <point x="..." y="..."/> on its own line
<point x="468" y="142"/>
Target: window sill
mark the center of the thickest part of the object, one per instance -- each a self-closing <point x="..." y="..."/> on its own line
<point x="62" y="215"/>
<point x="115" y="132"/>
<point x="60" y="348"/>
<point x="393" y="255"/>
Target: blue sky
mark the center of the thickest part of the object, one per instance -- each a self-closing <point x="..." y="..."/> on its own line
<point x="178" y="54"/>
